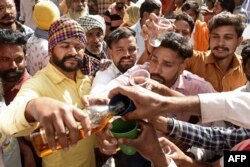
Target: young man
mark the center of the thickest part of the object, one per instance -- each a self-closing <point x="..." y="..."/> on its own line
<point x="220" y="66"/>
<point x="52" y="97"/>
<point x="122" y="50"/>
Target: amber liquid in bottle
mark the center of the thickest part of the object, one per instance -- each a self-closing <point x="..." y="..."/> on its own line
<point x="99" y="116"/>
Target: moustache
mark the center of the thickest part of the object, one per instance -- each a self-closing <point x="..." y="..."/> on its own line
<point x="78" y="59"/>
<point x="157" y="77"/>
<point x="16" y="70"/>
<point x="223" y="48"/>
<point x="6" y="16"/>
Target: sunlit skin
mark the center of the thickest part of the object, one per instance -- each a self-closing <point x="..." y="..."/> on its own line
<point x="71" y="49"/>
<point x="7" y="13"/>
<point x="95" y="39"/>
<point x="165" y="66"/>
<point x="123" y="53"/>
<point x="223" y="42"/>
<point x="183" y="28"/>
<point x="78" y="8"/>
<point x="12" y="63"/>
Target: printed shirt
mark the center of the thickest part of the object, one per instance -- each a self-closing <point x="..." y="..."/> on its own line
<point x="203" y="64"/>
<point x="210" y="138"/>
<point x="37" y="54"/>
<point x="103" y="6"/>
<point x="50" y="82"/>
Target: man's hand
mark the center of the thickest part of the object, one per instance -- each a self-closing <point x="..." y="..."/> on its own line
<point x="55" y="116"/>
<point x="148" y="104"/>
<point x="106" y="142"/>
<point x="147" y="145"/>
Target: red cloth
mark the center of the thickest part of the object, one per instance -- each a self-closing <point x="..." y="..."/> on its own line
<point x="242" y="146"/>
<point x="10" y="92"/>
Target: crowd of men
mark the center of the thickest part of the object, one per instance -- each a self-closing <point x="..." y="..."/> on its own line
<point x="59" y="57"/>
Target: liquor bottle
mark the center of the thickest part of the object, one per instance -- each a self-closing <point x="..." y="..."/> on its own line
<point x="99" y="116"/>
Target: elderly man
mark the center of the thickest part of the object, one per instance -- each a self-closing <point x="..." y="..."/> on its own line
<point x="76" y="9"/>
<point x="52" y="97"/>
<point x="96" y="48"/>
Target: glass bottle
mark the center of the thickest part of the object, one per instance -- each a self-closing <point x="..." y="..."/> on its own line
<point x="99" y="116"/>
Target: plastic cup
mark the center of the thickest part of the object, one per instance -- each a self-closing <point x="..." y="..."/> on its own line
<point x="125" y="129"/>
<point x="138" y="73"/>
<point x="157" y="37"/>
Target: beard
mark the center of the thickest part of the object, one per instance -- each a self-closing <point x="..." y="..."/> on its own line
<point x="95" y="48"/>
<point x="62" y="63"/>
<point x="77" y="14"/>
<point x="9" y="17"/>
<point x="1" y="89"/>
<point x="124" y="67"/>
<point x="8" y="76"/>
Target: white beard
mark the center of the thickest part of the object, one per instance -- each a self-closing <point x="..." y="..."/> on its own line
<point x="75" y="15"/>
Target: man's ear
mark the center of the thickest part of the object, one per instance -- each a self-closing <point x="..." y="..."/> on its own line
<point x="181" y="69"/>
<point x="110" y="53"/>
<point x="240" y="39"/>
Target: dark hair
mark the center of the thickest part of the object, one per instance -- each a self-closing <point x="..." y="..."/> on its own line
<point x="8" y="36"/>
<point x="179" y="44"/>
<point x="149" y="6"/>
<point x="227" y="19"/>
<point x="227" y="5"/>
<point x="245" y="53"/>
<point x="191" y="5"/>
<point x="187" y="18"/>
<point x="119" y="33"/>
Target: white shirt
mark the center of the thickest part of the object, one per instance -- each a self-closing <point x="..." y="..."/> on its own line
<point x="231" y="106"/>
<point x="139" y="39"/>
<point x="102" y="78"/>
<point x="26" y="13"/>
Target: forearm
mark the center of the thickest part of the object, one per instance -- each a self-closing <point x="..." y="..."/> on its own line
<point x="229" y="106"/>
<point x="186" y="104"/>
<point x="210" y="138"/>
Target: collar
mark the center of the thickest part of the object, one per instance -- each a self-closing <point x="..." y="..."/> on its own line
<point x="57" y="76"/>
<point x="179" y="83"/>
<point x="209" y="59"/>
<point x="113" y="68"/>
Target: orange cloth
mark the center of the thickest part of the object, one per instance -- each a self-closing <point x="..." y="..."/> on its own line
<point x="204" y="65"/>
<point x="201" y="36"/>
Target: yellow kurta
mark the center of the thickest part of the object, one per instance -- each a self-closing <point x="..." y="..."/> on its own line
<point x="52" y="83"/>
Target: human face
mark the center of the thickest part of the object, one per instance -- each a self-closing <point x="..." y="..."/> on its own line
<point x="68" y="55"/>
<point x="123" y="53"/>
<point x="217" y="7"/>
<point x="182" y="27"/>
<point x="165" y="66"/>
<point x="7" y="12"/>
<point x="78" y="8"/>
<point x="95" y="38"/>
<point x="120" y="4"/>
<point x="12" y="62"/>
<point x="223" y="42"/>
<point x="192" y="13"/>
